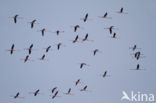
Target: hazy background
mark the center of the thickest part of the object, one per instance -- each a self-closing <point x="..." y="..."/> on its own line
<point x="61" y="68"/>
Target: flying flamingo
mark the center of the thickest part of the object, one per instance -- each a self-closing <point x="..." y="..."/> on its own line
<point x="69" y="92"/>
<point x="84" y="89"/>
<point x="15" y="18"/>
<point x="43" y="57"/>
<point x="76" y="39"/>
<point x="76" y="27"/>
<point x="32" y="23"/>
<point x="95" y="51"/>
<point x="35" y="93"/>
<point x="121" y="11"/>
<point x="58" y="46"/>
<point x="85" y="18"/>
<point x="17" y="95"/>
<point x="58" y="32"/>
<point x="105" y="16"/>
<point x="26" y="58"/>
<point x="77" y="82"/>
<point x="110" y="29"/>
<point x="43" y="31"/>
<point x="48" y="48"/>
<point x="30" y="48"/>
<point x="12" y="49"/>
<point x="55" y="95"/>
<point x="53" y="89"/>
<point x="83" y="64"/>
<point x="104" y="75"/>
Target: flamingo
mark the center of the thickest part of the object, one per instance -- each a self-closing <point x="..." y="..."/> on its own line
<point x="12" y="49"/>
<point x="86" y="37"/>
<point x="105" y="15"/>
<point x="36" y="92"/>
<point x="69" y="92"/>
<point x="30" y="48"/>
<point x="110" y="29"/>
<point x="58" y="46"/>
<point x="15" y="18"/>
<point x="32" y="23"/>
<point x="86" y="17"/>
<point x="17" y="95"/>
<point x="104" y="75"/>
<point x="95" y="51"/>
<point x="53" y="89"/>
<point x="48" y="48"/>
<point x="75" y="27"/>
<point x="82" y="64"/>
<point x="114" y="35"/>
<point x="43" y="57"/>
<point x="55" y="95"/>
<point x="121" y="11"/>
<point x="134" y="47"/>
<point x="84" y="89"/>
<point x="77" y="82"/>
<point x="43" y="31"/>
<point x="76" y="39"/>
<point x="137" y="55"/>
<point x="58" y="32"/>
<point x="138" y="67"/>
<point x="26" y="58"/>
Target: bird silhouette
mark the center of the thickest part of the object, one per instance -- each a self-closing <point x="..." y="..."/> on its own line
<point x="58" y="46"/>
<point x="32" y="23"/>
<point x="15" y="18"/>
<point x="137" y="55"/>
<point x="30" y="48"/>
<point x="17" y="95"/>
<point x="110" y="29"/>
<point x="69" y="92"/>
<point x="134" y="47"/>
<point x="105" y="74"/>
<point x="43" y="31"/>
<point x="58" y="32"/>
<point x="26" y="58"/>
<point x="36" y="92"/>
<point x="82" y="64"/>
<point x="76" y="39"/>
<point x="48" y="48"/>
<point x="95" y="51"/>
<point x="77" y="82"/>
<point x="138" y="67"/>
<point x="53" y="89"/>
<point x="55" y="95"/>
<point x="114" y="35"/>
<point x="86" y="37"/>
<point x="85" y="18"/>
<point x="105" y="15"/>
<point x="76" y="27"/>
<point x="84" y="89"/>
<point x="12" y="49"/>
<point x="121" y="11"/>
<point x="43" y="57"/>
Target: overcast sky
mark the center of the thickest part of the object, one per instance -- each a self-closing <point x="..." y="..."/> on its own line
<point x="62" y="67"/>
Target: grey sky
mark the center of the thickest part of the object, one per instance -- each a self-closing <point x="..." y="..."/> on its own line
<point x="61" y="68"/>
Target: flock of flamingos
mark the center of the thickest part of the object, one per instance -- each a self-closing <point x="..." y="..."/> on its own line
<point x="55" y="91"/>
